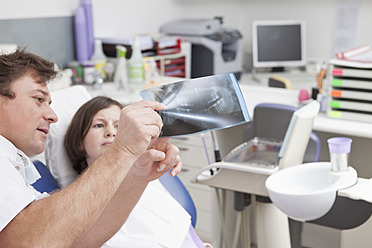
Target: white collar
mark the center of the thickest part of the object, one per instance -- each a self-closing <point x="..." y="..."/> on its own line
<point x="15" y="155"/>
<point x="31" y="173"/>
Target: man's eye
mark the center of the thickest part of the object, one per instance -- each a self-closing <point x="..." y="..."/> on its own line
<point x="39" y="99"/>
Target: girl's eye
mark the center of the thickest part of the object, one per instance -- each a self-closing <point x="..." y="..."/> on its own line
<point x="98" y="125"/>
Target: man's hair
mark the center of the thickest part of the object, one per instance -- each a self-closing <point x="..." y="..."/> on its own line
<point x="21" y="63"/>
<point x="79" y="127"/>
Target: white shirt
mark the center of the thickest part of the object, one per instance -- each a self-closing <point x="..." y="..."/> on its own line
<point x="15" y="194"/>
<point x="157" y="220"/>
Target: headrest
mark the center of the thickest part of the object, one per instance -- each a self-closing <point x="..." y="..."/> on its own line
<point x="65" y="103"/>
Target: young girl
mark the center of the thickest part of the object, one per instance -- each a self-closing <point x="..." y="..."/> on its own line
<point x="157" y="220"/>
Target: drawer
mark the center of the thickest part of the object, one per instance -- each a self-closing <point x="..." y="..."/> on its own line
<point x="207" y="226"/>
<point x="204" y="199"/>
<point x="195" y="139"/>
<point x="195" y="156"/>
<point x="187" y="173"/>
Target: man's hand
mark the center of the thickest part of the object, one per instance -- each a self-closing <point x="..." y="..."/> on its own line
<point x="157" y="160"/>
<point x="139" y="124"/>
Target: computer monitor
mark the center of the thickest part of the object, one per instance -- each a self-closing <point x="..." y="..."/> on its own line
<point x="278" y="44"/>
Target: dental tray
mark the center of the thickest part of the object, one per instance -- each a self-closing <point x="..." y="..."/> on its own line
<point x="256" y="152"/>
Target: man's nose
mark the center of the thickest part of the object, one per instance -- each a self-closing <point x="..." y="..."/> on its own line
<point x="50" y="115"/>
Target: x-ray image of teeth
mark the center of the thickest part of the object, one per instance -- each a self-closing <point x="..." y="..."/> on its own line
<point x="199" y="105"/>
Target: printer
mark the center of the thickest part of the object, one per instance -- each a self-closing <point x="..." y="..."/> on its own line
<point x="214" y="50"/>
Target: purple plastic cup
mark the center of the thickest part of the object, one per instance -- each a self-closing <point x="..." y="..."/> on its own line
<point x="339" y="149"/>
<point x="339" y="145"/>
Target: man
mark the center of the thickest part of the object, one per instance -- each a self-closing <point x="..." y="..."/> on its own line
<point x="94" y="207"/>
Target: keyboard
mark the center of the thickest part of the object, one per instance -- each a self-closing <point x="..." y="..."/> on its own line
<point x="298" y="80"/>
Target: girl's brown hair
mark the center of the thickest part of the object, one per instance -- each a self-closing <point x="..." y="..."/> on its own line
<point x="79" y="128"/>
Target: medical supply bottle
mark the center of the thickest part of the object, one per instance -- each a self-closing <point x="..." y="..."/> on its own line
<point x="99" y="58"/>
<point x="152" y="77"/>
<point x="121" y="74"/>
<point x="136" y="74"/>
<point x="81" y="36"/>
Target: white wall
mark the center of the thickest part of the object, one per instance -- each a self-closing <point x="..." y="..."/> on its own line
<point x="122" y="18"/>
<point x="146" y="16"/>
<point x="15" y="9"/>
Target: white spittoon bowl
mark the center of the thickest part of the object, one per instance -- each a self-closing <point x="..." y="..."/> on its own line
<point x="307" y="192"/>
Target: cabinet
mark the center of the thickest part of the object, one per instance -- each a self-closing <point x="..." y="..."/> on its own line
<point x="175" y="64"/>
<point x="194" y="158"/>
<point x="350" y="93"/>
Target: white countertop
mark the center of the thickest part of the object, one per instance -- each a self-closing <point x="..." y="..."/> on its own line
<point x="345" y="127"/>
<point x="127" y="96"/>
<point x="255" y="93"/>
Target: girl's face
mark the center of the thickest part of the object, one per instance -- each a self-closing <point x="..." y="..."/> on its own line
<point x="101" y="133"/>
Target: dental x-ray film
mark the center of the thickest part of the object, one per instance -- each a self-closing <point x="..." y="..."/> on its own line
<point x="199" y="105"/>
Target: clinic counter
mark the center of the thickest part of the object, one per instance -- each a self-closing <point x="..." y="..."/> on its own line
<point x="254" y="93"/>
<point x="324" y="123"/>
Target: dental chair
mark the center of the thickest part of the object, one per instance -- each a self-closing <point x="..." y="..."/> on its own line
<point x="293" y="128"/>
<point x="271" y="121"/>
<point x="58" y="172"/>
<point x="47" y="183"/>
<point x="179" y="192"/>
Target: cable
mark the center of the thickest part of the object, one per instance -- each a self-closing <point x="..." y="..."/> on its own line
<point x="221" y="211"/>
<point x="238" y="222"/>
<point x="217" y="154"/>
<point x="205" y="149"/>
<point x="217" y="158"/>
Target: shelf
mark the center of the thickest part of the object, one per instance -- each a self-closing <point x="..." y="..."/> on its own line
<point x="350" y="93"/>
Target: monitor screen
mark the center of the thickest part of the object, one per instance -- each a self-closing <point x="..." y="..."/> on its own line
<point x="278" y="44"/>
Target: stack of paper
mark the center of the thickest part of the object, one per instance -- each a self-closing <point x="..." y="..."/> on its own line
<point x="360" y="57"/>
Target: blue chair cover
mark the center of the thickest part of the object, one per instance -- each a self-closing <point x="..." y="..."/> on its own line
<point x="46" y="183"/>
<point x="179" y="192"/>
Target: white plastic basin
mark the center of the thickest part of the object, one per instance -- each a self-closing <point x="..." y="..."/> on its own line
<point x="307" y="191"/>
